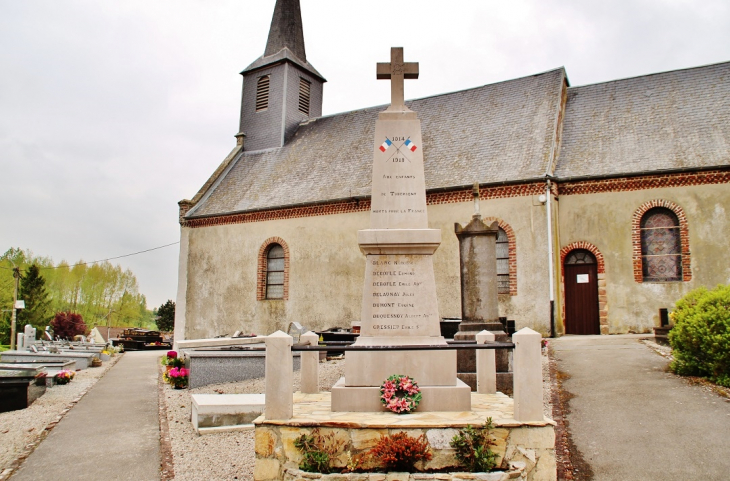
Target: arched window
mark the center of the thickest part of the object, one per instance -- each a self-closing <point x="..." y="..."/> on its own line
<point x="275" y="272"/>
<point x="661" y="247"/>
<point x="502" y="262"/>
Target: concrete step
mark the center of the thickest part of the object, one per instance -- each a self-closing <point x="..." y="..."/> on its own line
<point x="225" y="412"/>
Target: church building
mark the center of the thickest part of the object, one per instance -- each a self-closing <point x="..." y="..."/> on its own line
<point x="610" y="198"/>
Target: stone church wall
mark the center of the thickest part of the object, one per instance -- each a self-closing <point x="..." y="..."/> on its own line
<point x="327" y="270"/>
<point x="604" y="219"/>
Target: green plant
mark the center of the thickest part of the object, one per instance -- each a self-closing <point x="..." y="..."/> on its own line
<point x="472" y="445"/>
<point x="401" y="452"/>
<point x="317" y="451"/>
<point x="700" y="338"/>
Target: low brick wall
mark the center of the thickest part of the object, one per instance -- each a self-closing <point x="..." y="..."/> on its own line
<point x="528" y="451"/>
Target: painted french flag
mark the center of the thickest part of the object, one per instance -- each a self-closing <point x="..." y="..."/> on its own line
<point x="410" y="145"/>
<point x="386" y="144"/>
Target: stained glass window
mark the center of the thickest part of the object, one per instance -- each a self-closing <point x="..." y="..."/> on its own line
<point x="661" y="248"/>
<point x="275" y="272"/>
<point x="502" y="262"/>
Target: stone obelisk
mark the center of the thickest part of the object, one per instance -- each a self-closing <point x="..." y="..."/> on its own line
<point x="399" y="305"/>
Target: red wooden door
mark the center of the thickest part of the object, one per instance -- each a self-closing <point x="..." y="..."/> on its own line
<point x="581" y="293"/>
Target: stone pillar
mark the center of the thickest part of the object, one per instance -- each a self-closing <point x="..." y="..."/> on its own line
<point x="310" y="364"/>
<point x="20" y="343"/>
<point x="486" y="367"/>
<point x="528" y="375"/>
<point x="479" y="300"/>
<point x="279" y="403"/>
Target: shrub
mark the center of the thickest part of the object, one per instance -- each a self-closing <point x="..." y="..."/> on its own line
<point x="68" y="324"/>
<point x="472" y="447"/>
<point x="700" y="338"/>
<point x="317" y="450"/>
<point x="401" y="452"/>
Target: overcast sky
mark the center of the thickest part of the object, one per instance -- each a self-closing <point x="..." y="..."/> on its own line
<point x="113" y="111"/>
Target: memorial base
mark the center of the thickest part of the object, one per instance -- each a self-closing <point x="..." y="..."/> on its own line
<point x="434" y="398"/>
<point x="526" y="447"/>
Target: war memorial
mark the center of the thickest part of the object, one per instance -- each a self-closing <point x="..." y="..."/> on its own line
<point x="400" y="336"/>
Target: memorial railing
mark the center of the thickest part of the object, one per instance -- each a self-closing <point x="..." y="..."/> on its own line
<point x="527" y="368"/>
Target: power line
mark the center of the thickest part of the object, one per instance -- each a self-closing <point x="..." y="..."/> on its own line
<point x="104" y="260"/>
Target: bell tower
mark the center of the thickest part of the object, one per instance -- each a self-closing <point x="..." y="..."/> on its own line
<point x="280" y="89"/>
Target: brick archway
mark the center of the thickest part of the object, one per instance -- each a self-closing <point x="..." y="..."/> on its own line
<point x="602" y="297"/>
<point x="512" y="247"/>
<point x="261" y="269"/>
<point x="636" y="237"/>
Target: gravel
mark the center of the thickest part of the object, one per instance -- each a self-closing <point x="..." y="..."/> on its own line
<point x="231" y="455"/>
<point x="22" y="430"/>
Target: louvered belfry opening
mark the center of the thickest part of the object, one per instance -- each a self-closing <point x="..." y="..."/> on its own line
<point x="262" y="93"/>
<point x="305" y="88"/>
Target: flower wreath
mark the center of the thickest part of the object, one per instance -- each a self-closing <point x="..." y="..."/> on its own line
<point x="400" y="394"/>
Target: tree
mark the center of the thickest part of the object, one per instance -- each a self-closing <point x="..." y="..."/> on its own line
<point x="33" y="291"/>
<point x="66" y="325"/>
<point x="166" y="316"/>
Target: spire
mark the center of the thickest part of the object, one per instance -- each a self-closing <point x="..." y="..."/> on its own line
<point x="286" y="30"/>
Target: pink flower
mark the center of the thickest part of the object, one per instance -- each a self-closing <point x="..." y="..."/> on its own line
<point x="171" y="354"/>
<point x="174" y="372"/>
<point x="184" y="372"/>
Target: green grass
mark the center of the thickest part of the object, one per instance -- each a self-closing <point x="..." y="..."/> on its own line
<point x="4" y="347"/>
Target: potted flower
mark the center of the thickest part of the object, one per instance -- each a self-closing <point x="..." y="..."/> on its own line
<point x="171" y="360"/>
<point x="178" y="377"/>
<point x="64" y="376"/>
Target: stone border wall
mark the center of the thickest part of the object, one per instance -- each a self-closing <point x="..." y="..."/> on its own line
<point x="528" y="449"/>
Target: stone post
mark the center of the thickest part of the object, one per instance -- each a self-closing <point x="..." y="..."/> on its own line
<point x="527" y="375"/>
<point x="486" y="366"/>
<point x="20" y="344"/>
<point x="310" y="364"/>
<point x="279" y="403"/>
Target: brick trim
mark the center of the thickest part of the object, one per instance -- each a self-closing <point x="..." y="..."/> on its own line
<point x="344" y="207"/>
<point x="683" y="237"/>
<point x="261" y="268"/>
<point x="644" y="182"/>
<point x="602" y="296"/>
<point x="512" y="248"/>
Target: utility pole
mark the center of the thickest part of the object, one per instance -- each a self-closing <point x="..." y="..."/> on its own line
<point x="16" y="275"/>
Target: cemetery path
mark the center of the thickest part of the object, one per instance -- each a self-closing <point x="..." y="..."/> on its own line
<point x="630" y="419"/>
<point x="112" y="433"/>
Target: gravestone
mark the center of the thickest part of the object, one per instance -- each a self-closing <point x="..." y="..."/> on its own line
<point x="28" y="336"/>
<point x="399" y="297"/>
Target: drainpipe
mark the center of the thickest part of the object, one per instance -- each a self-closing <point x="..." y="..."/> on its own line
<point x="551" y="267"/>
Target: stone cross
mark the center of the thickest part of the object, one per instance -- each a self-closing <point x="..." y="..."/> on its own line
<point x="396" y="71"/>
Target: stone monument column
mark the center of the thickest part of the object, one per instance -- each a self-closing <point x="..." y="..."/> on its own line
<point x="479" y="299"/>
<point x="399" y="304"/>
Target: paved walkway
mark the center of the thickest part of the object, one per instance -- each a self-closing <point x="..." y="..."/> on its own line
<point x="111" y="434"/>
<point x="632" y="420"/>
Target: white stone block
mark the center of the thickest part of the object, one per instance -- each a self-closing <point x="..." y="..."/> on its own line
<point x="218" y="410"/>
<point x="486" y="365"/>
<point x="527" y="375"/>
<point x="279" y="376"/>
<point x="310" y="364"/>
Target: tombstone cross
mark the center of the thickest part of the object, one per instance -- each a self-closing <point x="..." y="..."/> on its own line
<point x="396" y="71"/>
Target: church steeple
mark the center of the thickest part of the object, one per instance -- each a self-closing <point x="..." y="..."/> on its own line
<point x="280" y="89"/>
<point x="286" y="29"/>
